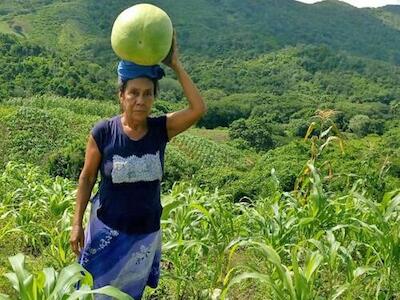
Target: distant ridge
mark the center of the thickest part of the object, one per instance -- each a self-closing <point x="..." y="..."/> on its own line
<point x="211" y="29"/>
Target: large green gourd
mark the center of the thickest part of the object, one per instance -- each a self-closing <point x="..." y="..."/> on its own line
<point x="142" y="34"/>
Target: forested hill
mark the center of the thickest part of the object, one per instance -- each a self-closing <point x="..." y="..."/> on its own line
<point x="295" y="166"/>
<point x="211" y="28"/>
<point x="390" y="15"/>
<point x="392" y="8"/>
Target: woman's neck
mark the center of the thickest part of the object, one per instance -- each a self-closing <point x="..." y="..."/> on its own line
<point x="135" y="124"/>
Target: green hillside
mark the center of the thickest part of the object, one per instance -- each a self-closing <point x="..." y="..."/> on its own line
<point x="291" y="84"/>
<point x="265" y="102"/>
<point x="288" y="188"/>
<point x="29" y="69"/>
<point x="250" y="28"/>
<point x="390" y="15"/>
<point x="52" y="133"/>
<point x="283" y="85"/>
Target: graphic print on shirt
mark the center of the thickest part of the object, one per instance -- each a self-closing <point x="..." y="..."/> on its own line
<point x="134" y="168"/>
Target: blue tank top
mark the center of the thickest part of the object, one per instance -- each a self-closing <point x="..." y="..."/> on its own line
<point x="131" y="173"/>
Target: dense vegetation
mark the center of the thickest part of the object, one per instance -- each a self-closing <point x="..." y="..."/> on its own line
<point x="303" y="244"/>
<point x="253" y="27"/>
<point x="302" y="184"/>
<point x="29" y="69"/>
<point x="287" y="189"/>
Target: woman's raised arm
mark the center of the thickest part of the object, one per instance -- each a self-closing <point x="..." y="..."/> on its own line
<point x="181" y="120"/>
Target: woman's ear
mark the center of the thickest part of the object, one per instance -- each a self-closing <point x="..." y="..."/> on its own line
<point x="121" y="106"/>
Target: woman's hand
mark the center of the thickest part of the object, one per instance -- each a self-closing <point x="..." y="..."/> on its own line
<point x="77" y="240"/>
<point x="172" y="59"/>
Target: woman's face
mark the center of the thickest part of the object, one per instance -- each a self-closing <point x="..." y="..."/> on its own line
<point x="138" y="97"/>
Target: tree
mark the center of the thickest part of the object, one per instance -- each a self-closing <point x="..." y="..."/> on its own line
<point x="359" y="124"/>
<point x="257" y="132"/>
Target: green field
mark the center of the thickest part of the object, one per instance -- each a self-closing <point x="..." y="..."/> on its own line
<point x="315" y="240"/>
<point x="289" y="186"/>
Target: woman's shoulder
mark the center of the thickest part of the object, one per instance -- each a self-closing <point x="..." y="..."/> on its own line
<point x="107" y="121"/>
<point x="160" y="124"/>
<point x="105" y="124"/>
<point x="157" y="120"/>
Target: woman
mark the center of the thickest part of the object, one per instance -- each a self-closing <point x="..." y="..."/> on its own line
<point x="122" y="244"/>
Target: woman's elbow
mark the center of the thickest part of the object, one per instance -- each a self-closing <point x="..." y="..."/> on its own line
<point x="204" y="110"/>
<point x="200" y="113"/>
<point x="87" y="179"/>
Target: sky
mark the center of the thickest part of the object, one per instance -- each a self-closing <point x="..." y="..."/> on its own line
<point x="362" y="3"/>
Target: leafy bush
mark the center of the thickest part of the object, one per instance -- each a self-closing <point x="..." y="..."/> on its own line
<point x="363" y="125"/>
<point x="177" y="167"/>
<point x="29" y="69"/>
<point x="224" y="111"/>
<point x="32" y="133"/>
<point x="259" y="133"/>
<point x="67" y="162"/>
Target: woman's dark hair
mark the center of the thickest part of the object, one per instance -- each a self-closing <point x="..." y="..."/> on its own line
<point x="122" y="86"/>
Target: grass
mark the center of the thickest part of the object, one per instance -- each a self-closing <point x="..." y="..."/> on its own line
<point x="5" y="28"/>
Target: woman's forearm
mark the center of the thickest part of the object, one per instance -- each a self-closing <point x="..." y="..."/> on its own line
<point x="190" y="90"/>
<point x="82" y="198"/>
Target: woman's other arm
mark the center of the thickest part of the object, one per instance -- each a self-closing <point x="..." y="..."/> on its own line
<point x="87" y="179"/>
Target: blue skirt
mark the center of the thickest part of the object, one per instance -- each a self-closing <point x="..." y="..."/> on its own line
<point x="126" y="261"/>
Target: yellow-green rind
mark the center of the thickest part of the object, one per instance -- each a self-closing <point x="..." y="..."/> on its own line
<point x="142" y="34"/>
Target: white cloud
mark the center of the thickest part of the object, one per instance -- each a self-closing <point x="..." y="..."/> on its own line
<point x="361" y="3"/>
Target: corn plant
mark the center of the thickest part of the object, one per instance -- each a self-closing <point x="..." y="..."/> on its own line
<point x="286" y="282"/>
<point x="51" y="285"/>
<point x="59" y="248"/>
<point x="198" y="231"/>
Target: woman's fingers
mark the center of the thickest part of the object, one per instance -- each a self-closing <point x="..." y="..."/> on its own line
<point x="171" y="58"/>
<point x="74" y="247"/>
<point x="82" y="241"/>
<point x="77" y="240"/>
